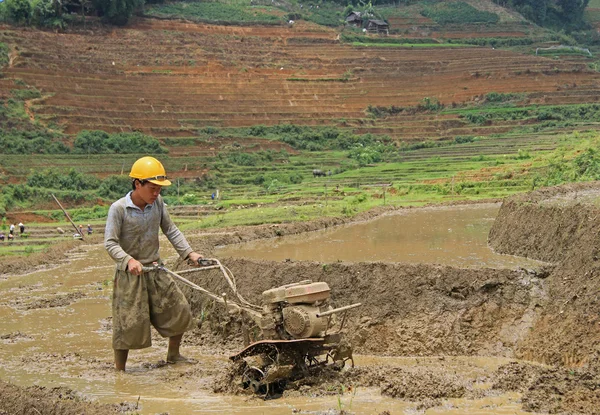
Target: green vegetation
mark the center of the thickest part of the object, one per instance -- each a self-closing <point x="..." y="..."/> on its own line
<point x="100" y="142"/>
<point x="560" y="14"/>
<point x="426" y="105"/>
<point x="458" y="12"/>
<point x="412" y="45"/>
<point x="224" y="12"/>
<point x="362" y="39"/>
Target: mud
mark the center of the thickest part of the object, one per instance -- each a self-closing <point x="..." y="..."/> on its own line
<point x="567" y="330"/>
<point x="447" y="315"/>
<point x="407" y="309"/>
<point x="58" y="300"/>
<point x="14" y="337"/>
<point x="53" y="255"/>
<point x="37" y="400"/>
<point x="551" y="389"/>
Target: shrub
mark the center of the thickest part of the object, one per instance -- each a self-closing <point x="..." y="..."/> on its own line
<point x="31" y="142"/>
<point x="117" y="12"/>
<point x="24" y="94"/>
<point x="100" y="142"/>
<point x="48" y="13"/>
<point x="19" y="11"/>
<point x="73" y="180"/>
<point x="114" y="187"/>
<point x="458" y="12"/>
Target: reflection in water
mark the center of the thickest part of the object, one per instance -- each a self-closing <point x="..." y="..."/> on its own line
<point x="452" y="235"/>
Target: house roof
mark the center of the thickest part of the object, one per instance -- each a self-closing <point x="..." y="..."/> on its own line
<point x="378" y="22"/>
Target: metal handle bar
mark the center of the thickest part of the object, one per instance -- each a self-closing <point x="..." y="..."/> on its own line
<point x="249" y="308"/>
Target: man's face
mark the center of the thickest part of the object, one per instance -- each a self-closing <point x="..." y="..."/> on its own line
<point x="148" y="192"/>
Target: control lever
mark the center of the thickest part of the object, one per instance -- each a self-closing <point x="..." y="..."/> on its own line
<point x="203" y="262"/>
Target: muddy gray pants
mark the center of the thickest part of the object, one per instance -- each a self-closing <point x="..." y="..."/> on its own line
<point x="152" y="298"/>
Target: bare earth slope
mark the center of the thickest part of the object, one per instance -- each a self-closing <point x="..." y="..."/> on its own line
<point x="559" y="224"/>
<point x="170" y="78"/>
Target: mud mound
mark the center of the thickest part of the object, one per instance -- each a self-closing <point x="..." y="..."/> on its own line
<point x="52" y="256"/>
<point x="407" y="309"/>
<point x="566" y="330"/>
<point x="37" y="400"/>
<point x="58" y="300"/>
<point x="415" y="384"/>
<point x="551" y="389"/>
<point x="427" y="385"/>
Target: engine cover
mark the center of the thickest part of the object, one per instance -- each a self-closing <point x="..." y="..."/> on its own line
<point x="301" y="321"/>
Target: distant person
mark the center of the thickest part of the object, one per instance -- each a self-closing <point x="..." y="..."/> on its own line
<point x="21" y="227"/>
<point x="2" y="236"/>
<point x="81" y="230"/>
<point x="10" y="237"/>
<point x="90" y="230"/>
<point x="11" y="230"/>
<point x="212" y="196"/>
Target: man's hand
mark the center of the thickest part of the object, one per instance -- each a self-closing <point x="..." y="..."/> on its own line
<point x="134" y="267"/>
<point x="193" y="258"/>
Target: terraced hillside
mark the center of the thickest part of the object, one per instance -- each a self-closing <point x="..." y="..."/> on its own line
<point x="168" y="79"/>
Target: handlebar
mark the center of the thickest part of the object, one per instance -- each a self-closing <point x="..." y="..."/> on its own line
<point x="201" y="263"/>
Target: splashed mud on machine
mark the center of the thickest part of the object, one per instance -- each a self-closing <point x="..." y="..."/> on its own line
<point x="298" y="330"/>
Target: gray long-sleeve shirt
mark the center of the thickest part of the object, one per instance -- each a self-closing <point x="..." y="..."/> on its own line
<point x="133" y="233"/>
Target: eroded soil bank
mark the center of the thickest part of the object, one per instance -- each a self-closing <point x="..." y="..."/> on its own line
<point x="560" y="224"/>
<point x="549" y="315"/>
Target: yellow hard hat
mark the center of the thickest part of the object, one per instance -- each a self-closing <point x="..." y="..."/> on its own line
<point x="151" y="170"/>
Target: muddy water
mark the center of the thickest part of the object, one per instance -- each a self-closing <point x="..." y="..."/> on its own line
<point x="49" y="339"/>
<point x="450" y="235"/>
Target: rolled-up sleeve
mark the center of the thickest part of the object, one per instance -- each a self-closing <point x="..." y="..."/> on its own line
<point x="174" y="235"/>
<point x="112" y="234"/>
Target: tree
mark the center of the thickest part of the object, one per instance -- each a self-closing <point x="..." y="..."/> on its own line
<point x="19" y="11"/>
<point x="117" y="12"/>
<point x="573" y="9"/>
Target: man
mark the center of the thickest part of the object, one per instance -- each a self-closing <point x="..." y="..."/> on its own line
<point x="141" y="299"/>
<point x="11" y="229"/>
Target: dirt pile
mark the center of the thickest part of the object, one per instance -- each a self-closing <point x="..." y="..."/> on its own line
<point x="551" y="389"/>
<point x="407" y="309"/>
<point x="37" y="400"/>
<point x="556" y="224"/>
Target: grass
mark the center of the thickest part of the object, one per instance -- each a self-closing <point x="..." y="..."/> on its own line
<point x="460" y="175"/>
<point x="232" y="12"/>
<point x="412" y="45"/>
<point x="10" y="249"/>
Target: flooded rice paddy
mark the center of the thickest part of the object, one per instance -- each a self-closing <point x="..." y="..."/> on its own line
<point x="55" y="326"/>
<point x="454" y="236"/>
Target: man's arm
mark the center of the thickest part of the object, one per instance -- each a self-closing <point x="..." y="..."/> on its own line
<point x="175" y="236"/>
<point x="111" y="237"/>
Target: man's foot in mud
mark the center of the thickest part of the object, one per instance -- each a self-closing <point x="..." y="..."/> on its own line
<point x="181" y="359"/>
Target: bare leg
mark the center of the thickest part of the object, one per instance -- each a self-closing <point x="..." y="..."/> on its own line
<point x="121" y="359"/>
<point x="173" y="355"/>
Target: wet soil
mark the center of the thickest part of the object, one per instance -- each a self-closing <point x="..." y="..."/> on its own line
<point x="36" y="400"/>
<point x="58" y="300"/>
<point x="551" y="389"/>
<point x="447" y="315"/>
<point x="53" y="255"/>
<point x="567" y="330"/>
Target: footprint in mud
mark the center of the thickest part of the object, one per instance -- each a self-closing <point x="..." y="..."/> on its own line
<point x="59" y="300"/>
<point x="15" y="337"/>
<point x="157" y="365"/>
